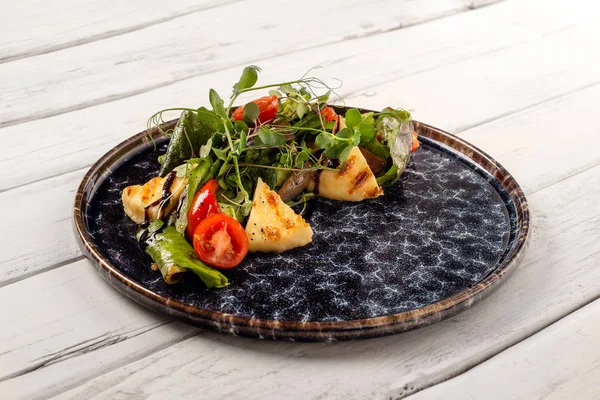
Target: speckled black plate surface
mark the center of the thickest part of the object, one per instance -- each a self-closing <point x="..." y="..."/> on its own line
<point x="437" y="241"/>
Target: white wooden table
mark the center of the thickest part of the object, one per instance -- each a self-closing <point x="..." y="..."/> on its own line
<point x="518" y="78"/>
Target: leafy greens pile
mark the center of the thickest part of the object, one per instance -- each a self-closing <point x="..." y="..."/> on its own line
<point x="208" y="144"/>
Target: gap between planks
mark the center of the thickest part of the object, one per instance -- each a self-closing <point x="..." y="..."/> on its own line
<point x="181" y="76"/>
<point x="400" y="392"/>
<point x="59" y="134"/>
<point x="459" y="131"/>
<point x="568" y="369"/>
<point x="530" y="195"/>
<point x="111" y="33"/>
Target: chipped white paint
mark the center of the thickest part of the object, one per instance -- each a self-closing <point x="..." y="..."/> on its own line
<point x="520" y="72"/>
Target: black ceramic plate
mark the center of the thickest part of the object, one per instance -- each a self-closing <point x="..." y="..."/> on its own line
<point x="436" y="242"/>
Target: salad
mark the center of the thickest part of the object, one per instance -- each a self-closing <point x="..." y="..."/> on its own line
<point x="231" y="175"/>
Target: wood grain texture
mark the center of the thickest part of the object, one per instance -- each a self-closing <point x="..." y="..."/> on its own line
<point x="560" y="362"/>
<point x="401" y="364"/>
<point x="82" y="141"/>
<point x="68" y="330"/>
<point x="562" y="212"/>
<point x="74" y="140"/>
<point x="34" y="27"/>
<point x="191" y="45"/>
<point x="74" y="325"/>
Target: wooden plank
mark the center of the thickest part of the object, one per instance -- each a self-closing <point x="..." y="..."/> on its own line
<point x="70" y="315"/>
<point x="565" y="217"/>
<point x="474" y="91"/>
<point x="560" y="362"/>
<point x="34" y="27"/>
<point x="74" y="140"/>
<point x="19" y="260"/>
<point x="191" y="45"/>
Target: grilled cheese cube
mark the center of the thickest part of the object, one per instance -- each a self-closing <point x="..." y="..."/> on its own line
<point x="355" y="182"/>
<point x="272" y="225"/>
<point x="136" y="198"/>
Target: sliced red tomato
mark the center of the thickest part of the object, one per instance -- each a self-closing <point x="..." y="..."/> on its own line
<point x="329" y="114"/>
<point x="204" y="205"/>
<point x="267" y="105"/>
<point x="415" y="142"/>
<point x="220" y="241"/>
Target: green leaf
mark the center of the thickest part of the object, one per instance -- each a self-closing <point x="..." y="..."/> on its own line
<point x="221" y="154"/>
<point x="251" y="112"/>
<point x="367" y="132"/>
<point x="271" y="138"/>
<point x="240" y="126"/>
<point x="301" y="109"/>
<point x="389" y="177"/>
<point x="198" y="176"/>
<point x="345" y="153"/>
<point x="288" y="89"/>
<point x="403" y="115"/>
<point x="324" y="140"/>
<point x="353" y="118"/>
<point x="248" y="78"/>
<point x="274" y="92"/>
<point x="217" y="104"/>
<point x="193" y="130"/>
<point x="324" y="98"/>
<point x="356" y="138"/>
<point x="223" y="168"/>
<point x="242" y="145"/>
<point x="377" y="148"/>
<point x="301" y="158"/>
<point x="345" y="133"/>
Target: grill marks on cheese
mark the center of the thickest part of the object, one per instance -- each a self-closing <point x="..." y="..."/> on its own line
<point x="272" y="225"/>
<point x="137" y="198"/>
<point x="355" y="182"/>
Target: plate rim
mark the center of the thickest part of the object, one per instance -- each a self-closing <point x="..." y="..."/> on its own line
<point x="313" y="330"/>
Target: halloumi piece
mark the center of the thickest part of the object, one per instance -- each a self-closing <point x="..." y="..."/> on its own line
<point x="355" y="182"/>
<point x="272" y="225"/>
<point x="136" y="198"/>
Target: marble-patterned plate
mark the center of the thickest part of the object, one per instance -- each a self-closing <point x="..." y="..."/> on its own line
<point x="436" y="242"/>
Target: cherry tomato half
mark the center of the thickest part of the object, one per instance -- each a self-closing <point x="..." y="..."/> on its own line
<point x="329" y="114"/>
<point x="204" y="205"/>
<point x="267" y="105"/>
<point x="220" y="241"/>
